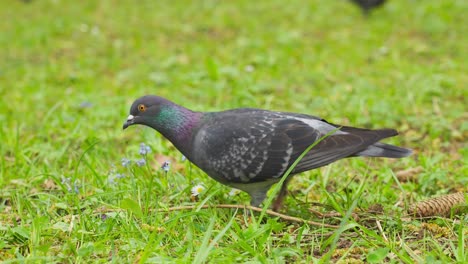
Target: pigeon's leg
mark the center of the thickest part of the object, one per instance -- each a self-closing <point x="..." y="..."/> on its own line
<point x="257" y="198"/>
<point x="278" y="203"/>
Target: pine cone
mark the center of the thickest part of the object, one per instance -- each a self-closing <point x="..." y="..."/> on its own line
<point x="439" y="206"/>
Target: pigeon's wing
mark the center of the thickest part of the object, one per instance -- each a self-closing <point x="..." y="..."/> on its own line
<point x="336" y="142"/>
<point x="256" y="145"/>
<point x="242" y="146"/>
<point x="339" y="145"/>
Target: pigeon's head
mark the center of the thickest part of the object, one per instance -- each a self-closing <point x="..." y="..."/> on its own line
<point x="147" y="110"/>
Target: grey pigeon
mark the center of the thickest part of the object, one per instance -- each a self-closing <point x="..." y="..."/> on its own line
<point x="367" y="5"/>
<point x="250" y="149"/>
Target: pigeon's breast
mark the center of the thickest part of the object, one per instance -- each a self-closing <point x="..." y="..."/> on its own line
<point x="224" y="154"/>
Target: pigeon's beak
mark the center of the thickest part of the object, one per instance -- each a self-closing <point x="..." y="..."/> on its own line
<point x="130" y="121"/>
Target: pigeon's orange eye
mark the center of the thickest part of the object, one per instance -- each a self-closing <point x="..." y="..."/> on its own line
<point x="141" y="107"/>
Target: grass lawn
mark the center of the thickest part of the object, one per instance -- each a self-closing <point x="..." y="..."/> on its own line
<point x="70" y="71"/>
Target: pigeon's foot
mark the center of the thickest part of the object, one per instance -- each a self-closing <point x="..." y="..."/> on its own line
<point x="278" y="203"/>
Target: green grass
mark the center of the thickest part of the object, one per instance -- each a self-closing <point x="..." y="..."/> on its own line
<point x="69" y="72"/>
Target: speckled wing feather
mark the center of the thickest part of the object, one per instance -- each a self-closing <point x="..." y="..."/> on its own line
<point x="251" y="145"/>
<point x="241" y="146"/>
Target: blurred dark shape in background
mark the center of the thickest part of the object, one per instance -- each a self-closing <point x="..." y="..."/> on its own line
<point x="367" y="5"/>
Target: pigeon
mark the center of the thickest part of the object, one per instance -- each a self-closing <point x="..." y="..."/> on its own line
<point x="367" y="5"/>
<point x="251" y="149"/>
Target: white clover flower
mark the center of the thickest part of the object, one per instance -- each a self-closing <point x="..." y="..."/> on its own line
<point x="197" y="189"/>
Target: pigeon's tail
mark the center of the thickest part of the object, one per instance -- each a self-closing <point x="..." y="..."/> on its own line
<point x="385" y="150"/>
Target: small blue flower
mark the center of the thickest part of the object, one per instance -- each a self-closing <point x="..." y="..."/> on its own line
<point x="166" y="166"/>
<point x="86" y="104"/>
<point x="66" y="181"/>
<point x="126" y="162"/>
<point x="112" y="169"/>
<point x="76" y="187"/>
<point x="140" y="162"/>
<point x="104" y="217"/>
<point x="144" y="149"/>
<point x="111" y="180"/>
<point x="183" y="158"/>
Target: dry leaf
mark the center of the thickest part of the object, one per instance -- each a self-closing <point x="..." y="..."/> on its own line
<point x="375" y="209"/>
<point x="49" y="184"/>
<point x="409" y="174"/>
<point x="436" y="229"/>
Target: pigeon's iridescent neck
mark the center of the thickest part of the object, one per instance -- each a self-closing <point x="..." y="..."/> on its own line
<point x="176" y="123"/>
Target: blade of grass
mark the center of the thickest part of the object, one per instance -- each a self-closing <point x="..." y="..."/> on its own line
<point x="200" y="258"/>
<point x="290" y="169"/>
<point x="203" y="251"/>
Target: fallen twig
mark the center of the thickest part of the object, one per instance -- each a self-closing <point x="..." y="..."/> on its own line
<point x="355" y="216"/>
<point x="248" y="207"/>
<point x="232" y="206"/>
<point x="409" y="175"/>
<point x="379" y="226"/>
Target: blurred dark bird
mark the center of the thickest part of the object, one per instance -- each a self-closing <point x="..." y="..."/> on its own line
<point x="367" y="5"/>
<point x="251" y="149"/>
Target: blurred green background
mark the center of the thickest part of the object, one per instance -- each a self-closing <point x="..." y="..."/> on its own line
<point x="70" y="70"/>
